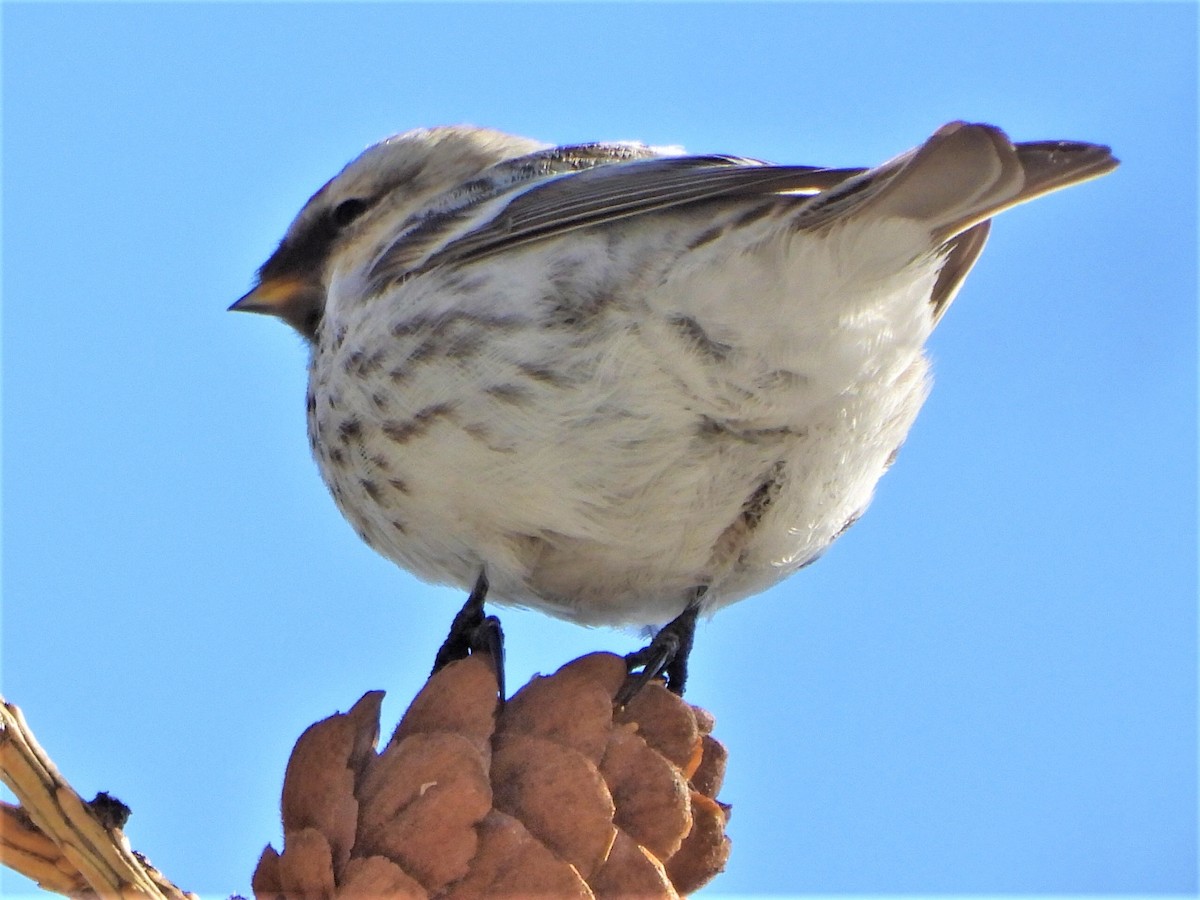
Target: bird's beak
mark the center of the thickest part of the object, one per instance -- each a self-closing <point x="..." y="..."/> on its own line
<point x="296" y="300"/>
<point x="272" y="297"/>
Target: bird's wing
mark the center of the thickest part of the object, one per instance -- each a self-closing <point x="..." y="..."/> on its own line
<point x="546" y="204"/>
<point x="953" y="183"/>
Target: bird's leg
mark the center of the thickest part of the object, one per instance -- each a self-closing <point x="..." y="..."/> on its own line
<point x="472" y="632"/>
<point x="666" y="655"/>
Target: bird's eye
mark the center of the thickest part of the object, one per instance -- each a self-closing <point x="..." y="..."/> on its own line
<point x="348" y="210"/>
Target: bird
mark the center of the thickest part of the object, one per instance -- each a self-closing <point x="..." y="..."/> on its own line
<point x="619" y="383"/>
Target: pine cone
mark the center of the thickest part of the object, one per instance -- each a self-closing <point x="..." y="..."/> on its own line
<point x="554" y="793"/>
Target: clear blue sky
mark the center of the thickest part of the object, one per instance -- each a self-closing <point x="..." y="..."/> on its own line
<point x="989" y="685"/>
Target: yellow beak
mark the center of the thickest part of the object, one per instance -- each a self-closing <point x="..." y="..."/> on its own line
<point x="297" y="301"/>
<point x="271" y="298"/>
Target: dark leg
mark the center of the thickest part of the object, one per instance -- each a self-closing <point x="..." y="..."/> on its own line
<point x="666" y="655"/>
<point x="472" y="632"/>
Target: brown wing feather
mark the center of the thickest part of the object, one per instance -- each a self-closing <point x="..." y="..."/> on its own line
<point x="595" y="196"/>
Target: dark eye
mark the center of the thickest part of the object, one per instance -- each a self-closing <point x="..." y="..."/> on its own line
<point x="348" y="210"/>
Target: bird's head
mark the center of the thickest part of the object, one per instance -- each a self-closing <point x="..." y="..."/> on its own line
<point x="353" y="217"/>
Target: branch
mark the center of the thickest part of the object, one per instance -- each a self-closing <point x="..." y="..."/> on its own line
<point x="56" y="838"/>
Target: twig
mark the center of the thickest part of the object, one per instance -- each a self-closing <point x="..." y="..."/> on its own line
<point x="58" y="839"/>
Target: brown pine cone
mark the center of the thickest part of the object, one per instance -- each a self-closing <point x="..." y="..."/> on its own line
<point x="553" y="794"/>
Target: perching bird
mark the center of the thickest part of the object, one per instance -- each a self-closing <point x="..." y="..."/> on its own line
<point x="621" y="384"/>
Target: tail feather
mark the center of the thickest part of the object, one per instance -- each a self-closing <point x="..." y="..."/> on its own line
<point x="962" y="176"/>
<point x="955" y="183"/>
<point x="961" y="252"/>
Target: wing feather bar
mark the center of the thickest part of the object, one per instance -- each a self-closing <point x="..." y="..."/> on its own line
<point x="606" y="193"/>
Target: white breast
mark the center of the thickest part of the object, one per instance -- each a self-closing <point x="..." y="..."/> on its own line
<point x="605" y="422"/>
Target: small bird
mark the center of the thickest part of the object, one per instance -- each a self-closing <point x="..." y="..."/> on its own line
<point x="618" y="383"/>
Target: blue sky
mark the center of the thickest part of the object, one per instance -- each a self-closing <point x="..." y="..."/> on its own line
<point x="987" y="686"/>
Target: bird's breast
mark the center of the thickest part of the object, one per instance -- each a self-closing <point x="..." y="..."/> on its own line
<point x="603" y="441"/>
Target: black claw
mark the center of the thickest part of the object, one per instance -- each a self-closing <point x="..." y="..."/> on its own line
<point x="489" y="637"/>
<point x="665" y="656"/>
<point x="473" y="632"/>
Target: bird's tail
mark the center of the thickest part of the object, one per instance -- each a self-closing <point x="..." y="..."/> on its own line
<point x="962" y="176"/>
<point x="954" y="183"/>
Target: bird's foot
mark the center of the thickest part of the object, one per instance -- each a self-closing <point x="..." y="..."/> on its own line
<point x="473" y="632"/>
<point x="666" y="656"/>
